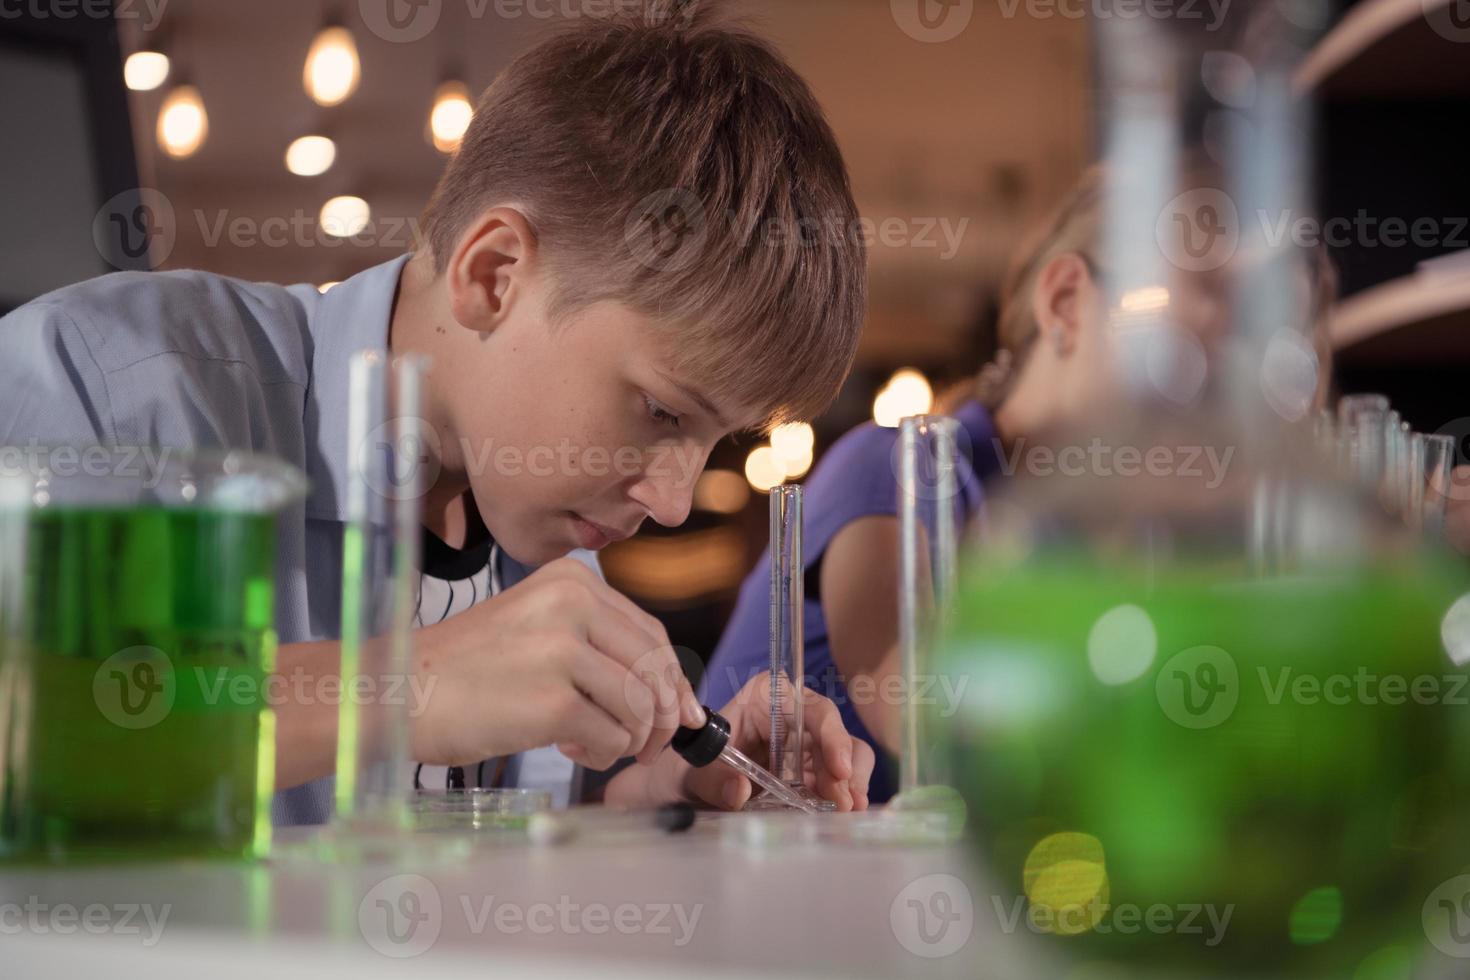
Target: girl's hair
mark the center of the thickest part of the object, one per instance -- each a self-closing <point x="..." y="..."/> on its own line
<point x="1075" y="226"/>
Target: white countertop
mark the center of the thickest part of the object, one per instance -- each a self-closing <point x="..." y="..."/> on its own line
<point x="732" y="896"/>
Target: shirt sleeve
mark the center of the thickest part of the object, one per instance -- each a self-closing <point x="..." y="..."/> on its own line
<point x="51" y="390"/>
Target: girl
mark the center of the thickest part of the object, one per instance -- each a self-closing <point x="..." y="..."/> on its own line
<point x="1049" y="370"/>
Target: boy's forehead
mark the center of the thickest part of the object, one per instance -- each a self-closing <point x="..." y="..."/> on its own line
<point x="725" y="414"/>
<point x="661" y="342"/>
<point x="692" y="390"/>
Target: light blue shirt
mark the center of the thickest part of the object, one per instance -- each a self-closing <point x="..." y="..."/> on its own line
<point x="193" y="360"/>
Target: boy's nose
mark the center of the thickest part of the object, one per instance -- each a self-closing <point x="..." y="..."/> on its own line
<point x="666" y="498"/>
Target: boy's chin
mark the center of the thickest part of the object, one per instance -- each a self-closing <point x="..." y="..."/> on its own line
<point x="534" y="550"/>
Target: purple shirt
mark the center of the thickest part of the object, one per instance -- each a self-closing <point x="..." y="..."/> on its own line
<point x="857" y="477"/>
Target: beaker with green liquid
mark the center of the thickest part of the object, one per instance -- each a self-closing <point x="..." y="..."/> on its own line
<point x="136" y="638"/>
<point x="1180" y="763"/>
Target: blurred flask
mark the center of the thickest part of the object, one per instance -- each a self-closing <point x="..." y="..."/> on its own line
<point x="1189" y="737"/>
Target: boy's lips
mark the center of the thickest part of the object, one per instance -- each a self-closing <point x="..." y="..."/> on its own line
<point x="594" y="536"/>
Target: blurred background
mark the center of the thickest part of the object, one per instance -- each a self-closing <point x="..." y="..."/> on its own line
<point x="297" y="141"/>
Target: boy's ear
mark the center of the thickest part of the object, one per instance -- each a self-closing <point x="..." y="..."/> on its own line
<point x="1058" y="300"/>
<point x="491" y="269"/>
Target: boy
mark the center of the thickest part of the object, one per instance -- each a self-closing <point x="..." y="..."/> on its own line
<point x="630" y="257"/>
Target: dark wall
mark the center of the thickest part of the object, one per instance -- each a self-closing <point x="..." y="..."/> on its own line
<point x="68" y="151"/>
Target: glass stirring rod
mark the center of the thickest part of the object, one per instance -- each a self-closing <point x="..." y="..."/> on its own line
<point x="711" y="741"/>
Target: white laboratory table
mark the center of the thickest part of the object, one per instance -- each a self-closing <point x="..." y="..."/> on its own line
<point x="716" y="898"/>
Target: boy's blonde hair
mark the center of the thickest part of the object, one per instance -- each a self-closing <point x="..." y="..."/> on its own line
<point x="680" y="166"/>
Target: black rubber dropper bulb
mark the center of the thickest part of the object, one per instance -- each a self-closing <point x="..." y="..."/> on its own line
<point x="703" y="745"/>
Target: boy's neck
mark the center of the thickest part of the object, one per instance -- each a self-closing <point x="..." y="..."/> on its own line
<point x="456" y="523"/>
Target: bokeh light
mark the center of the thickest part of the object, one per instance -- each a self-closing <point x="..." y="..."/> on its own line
<point x="721" y="492"/>
<point x="345" y="216"/>
<point x="332" y="67"/>
<point x="763" y="469"/>
<point x="144" y="71"/>
<point x="793" y="444"/>
<point x="907" y="393"/>
<point x="309" y="156"/>
<point x="183" y="123"/>
<point x="450" y="116"/>
<point x="1122" y="644"/>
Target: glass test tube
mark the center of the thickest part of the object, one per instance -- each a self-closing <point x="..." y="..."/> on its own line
<point x="787" y="641"/>
<point x="1324" y="435"/>
<point x="1391" y="488"/>
<point x="1406" y="471"/>
<point x="1439" y="461"/>
<point x="1416" y="480"/>
<point x="379" y="558"/>
<point x="15" y="501"/>
<point x="1349" y="407"/>
<point x="1368" y="447"/>
<point x="928" y="486"/>
<point x="1360" y="421"/>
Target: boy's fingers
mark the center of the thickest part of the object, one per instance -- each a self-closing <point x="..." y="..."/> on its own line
<point x="641" y="633"/>
<point x="648" y="623"/>
<point x="602" y="740"/>
<point x="607" y="688"/>
<point x="651" y="653"/>
<point x="642" y="669"/>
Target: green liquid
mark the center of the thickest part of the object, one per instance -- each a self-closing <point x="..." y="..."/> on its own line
<point x="132" y="715"/>
<point x="1322" y="818"/>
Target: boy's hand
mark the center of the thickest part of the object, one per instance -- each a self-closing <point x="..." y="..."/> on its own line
<point x="560" y="658"/>
<point x="836" y="766"/>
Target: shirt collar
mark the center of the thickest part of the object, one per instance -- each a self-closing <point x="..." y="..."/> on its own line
<point x="351" y="316"/>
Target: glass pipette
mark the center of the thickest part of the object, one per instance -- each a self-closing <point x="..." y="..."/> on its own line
<point x="711" y="741"/>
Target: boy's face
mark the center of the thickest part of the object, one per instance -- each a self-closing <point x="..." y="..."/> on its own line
<point x="571" y="435"/>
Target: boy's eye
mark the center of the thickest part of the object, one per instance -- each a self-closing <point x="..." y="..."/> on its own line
<point x="660" y="414"/>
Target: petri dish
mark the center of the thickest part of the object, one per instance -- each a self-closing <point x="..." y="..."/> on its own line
<point x="477" y="809"/>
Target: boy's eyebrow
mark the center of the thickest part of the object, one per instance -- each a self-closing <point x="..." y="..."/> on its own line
<point x="699" y="400"/>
